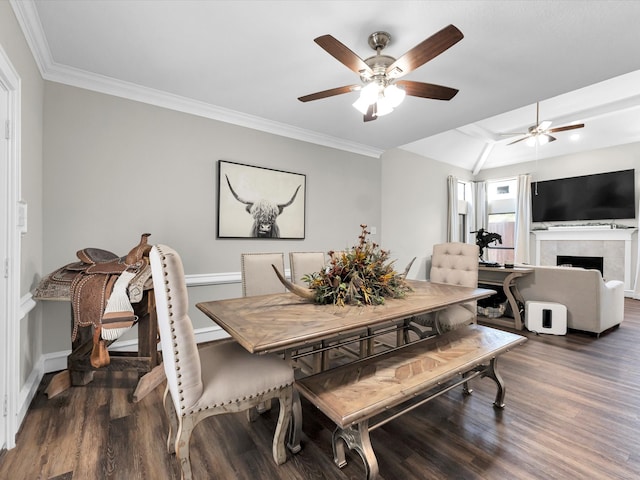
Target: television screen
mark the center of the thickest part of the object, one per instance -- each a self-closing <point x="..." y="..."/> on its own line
<point x="603" y="196"/>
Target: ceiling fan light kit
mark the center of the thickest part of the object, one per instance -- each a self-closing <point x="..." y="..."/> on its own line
<point x="381" y="91"/>
<point x="386" y="98"/>
<point x="539" y="139"/>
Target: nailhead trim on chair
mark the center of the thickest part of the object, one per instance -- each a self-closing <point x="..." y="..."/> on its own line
<point x="177" y="359"/>
<point x="238" y="399"/>
<point x="175" y="345"/>
<point x="187" y="396"/>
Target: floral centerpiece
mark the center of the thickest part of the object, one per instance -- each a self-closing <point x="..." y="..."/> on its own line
<point x="361" y="275"/>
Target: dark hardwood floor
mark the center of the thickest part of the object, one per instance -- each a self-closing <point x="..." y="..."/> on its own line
<point x="573" y="412"/>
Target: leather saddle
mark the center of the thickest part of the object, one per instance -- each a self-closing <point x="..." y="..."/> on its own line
<point x="89" y="285"/>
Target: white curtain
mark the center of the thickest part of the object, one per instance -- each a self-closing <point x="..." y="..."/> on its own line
<point x="523" y="219"/>
<point x="478" y="217"/>
<point x="453" y="233"/>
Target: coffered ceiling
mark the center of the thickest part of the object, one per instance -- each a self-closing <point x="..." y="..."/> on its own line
<point x="247" y="62"/>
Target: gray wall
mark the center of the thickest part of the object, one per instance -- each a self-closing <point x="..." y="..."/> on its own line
<point x="115" y="168"/>
<point x="414" y="207"/>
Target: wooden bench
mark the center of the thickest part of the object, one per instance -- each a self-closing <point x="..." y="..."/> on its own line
<point x="394" y="382"/>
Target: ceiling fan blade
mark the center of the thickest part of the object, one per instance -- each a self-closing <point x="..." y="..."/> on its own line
<point x="551" y="139"/>
<point x="342" y="53"/>
<point x="565" y="128"/>
<point x="427" y="90"/>
<point x="371" y="113"/>
<point x="425" y="51"/>
<point x="542" y="126"/>
<point x="329" y="93"/>
<point x="519" y="140"/>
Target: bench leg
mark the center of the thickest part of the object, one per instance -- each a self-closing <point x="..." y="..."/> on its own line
<point x="356" y="438"/>
<point x="492" y="372"/>
<point x="465" y="386"/>
<point x="295" y="426"/>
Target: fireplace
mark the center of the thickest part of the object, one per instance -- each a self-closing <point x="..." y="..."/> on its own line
<point x="591" y="263"/>
<point x="613" y="245"/>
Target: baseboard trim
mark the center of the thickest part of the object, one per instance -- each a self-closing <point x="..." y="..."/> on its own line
<point x="28" y="390"/>
<point x="57" y="361"/>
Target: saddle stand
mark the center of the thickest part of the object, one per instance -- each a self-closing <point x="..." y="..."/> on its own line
<point x="90" y="285"/>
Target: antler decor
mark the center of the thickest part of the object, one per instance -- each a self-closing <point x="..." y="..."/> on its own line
<point x="362" y="275"/>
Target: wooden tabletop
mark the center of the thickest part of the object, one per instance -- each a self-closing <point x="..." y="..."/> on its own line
<point x="273" y="323"/>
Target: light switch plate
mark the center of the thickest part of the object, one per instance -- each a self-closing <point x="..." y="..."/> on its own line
<point x="22" y="217"/>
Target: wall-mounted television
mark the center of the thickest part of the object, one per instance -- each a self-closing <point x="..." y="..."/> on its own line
<point x="602" y="196"/>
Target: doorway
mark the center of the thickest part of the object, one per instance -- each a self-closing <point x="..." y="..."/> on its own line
<point x="4" y="255"/>
<point x="9" y="249"/>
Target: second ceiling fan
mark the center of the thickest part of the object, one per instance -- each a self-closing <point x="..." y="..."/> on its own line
<point x="381" y="91"/>
<point x="540" y="133"/>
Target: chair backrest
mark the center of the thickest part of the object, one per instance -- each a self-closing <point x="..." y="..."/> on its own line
<point x="302" y="263"/>
<point x="179" y="348"/>
<point x="455" y="263"/>
<point x="258" y="277"/>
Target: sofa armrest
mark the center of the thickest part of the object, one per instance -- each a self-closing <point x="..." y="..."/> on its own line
<point x="612" y="303"/>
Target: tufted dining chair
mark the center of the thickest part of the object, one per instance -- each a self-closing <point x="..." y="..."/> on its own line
<point x="302" y="263"/>
<point x="257" y="273"/>
<point x="219" y="377"/>
<point x="455" y="263"/>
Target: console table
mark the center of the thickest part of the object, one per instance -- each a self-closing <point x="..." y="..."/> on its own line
<point x="506" y="278"/>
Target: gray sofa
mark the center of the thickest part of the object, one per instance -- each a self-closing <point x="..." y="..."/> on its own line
<point x="593" y="305"/>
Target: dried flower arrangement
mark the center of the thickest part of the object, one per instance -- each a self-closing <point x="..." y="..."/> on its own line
<point x="361" y="275"/>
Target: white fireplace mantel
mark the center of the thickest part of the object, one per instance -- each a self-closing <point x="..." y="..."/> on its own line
<point x="589" y="235"/>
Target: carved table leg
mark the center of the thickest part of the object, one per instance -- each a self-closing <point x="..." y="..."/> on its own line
<point x="493" y="374"/>
<point x="509" y="286"/>
<point x="295" y="426"/>
<point x="356" y="437"/>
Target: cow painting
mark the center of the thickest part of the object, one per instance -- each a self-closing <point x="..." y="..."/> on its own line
<point x="264" y="212"/>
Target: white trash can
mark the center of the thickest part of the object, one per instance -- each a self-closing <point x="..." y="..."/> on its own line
<point x="546" y="317"/>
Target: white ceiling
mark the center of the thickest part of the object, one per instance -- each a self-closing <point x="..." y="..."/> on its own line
<point x="246" y="62"/>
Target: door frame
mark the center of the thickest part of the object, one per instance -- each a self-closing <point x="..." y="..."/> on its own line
<point x="9" y="356"/>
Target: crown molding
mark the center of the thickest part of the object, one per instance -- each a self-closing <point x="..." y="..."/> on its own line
<point x="29" y="21"/>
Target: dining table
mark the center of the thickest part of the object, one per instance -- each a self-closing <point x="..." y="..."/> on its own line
<point x="284" y="322"/>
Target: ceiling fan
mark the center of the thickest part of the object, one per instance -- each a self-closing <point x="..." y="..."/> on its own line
<point x="381" y="91"/>
<point x="540" y="133"/>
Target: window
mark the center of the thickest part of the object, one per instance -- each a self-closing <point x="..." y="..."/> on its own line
<point x="501" y="200"/>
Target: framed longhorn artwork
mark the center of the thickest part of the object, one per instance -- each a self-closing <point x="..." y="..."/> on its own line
<point x="258" y="202"/>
